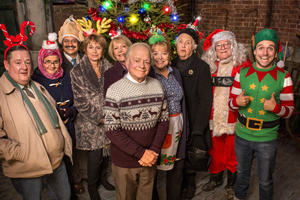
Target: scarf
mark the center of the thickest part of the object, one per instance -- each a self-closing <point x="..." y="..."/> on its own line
<point x="50" y="52"/>
<point x="182" y="65"/>
<point x="50" y="110"/>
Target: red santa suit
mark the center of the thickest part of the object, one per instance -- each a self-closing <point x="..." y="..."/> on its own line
<point x="222" y="119"/>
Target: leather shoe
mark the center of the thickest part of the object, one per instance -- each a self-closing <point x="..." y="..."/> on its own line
<point x="107" y="185"/>
<point x="189" y="193"/>
<point x="79" y="189"/>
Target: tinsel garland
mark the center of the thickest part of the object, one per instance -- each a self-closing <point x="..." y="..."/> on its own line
<point x="144" y="35"/>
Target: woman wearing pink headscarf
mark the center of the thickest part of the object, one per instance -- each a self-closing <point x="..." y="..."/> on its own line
<point x="50" y="74"/>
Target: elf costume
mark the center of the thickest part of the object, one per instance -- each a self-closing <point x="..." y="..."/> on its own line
<point x="257" y="128"/>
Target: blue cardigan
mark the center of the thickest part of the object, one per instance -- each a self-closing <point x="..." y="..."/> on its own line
<point x="184" y="137"/>
<point x="61" y="93"/>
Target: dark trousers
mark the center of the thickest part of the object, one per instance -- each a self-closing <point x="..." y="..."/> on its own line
<point x="94" y="164"/>
<point x="173" y="183"/>
<point x="70" y="177"/>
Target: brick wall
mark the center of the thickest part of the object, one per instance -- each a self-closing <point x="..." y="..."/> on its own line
<point x="247" y="17"/>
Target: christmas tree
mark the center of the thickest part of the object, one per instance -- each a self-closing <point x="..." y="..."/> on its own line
<point x="134" y="19"/>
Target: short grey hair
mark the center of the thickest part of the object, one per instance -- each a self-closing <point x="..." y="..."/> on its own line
<point x="135" y="45"/>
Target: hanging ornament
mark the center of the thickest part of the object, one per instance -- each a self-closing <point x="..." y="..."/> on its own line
<point x="147" y="19"/>
<point x="142" y="12"/>
<point x="123" y="1"/>
<point x="126" y="7"/>
<point x="87" y="17"/>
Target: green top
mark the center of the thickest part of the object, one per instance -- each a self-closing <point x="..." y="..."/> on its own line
<point x="259" y="84"/>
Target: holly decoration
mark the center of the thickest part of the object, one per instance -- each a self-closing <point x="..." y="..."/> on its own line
<point x="167" y="160"/>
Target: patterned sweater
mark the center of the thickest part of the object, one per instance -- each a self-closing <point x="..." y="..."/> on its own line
<point x="259" y="84"/>
<point x="136" y="119"/>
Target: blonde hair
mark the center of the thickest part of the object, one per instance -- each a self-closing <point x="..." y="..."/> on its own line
<point x="119" y="39"/>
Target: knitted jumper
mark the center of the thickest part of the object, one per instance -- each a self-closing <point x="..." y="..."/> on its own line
<point x="259" y="84"/>
<point x="136" y="119"/>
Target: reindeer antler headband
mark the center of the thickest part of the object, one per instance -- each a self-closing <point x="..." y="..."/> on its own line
<point x="12" y="41"/>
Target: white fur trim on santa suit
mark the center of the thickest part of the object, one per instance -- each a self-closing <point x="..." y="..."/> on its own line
<point x="224" y="35"/>
<point x="219" y="124"/>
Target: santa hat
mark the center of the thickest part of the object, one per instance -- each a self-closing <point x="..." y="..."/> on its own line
<point x="215" y="36"/>
<point x="50" y="48"/>
<point x="70" y="28"/>
<point x="192" y="30"/>
<point x="114" y="33"/>
<point x="271" y="35"/>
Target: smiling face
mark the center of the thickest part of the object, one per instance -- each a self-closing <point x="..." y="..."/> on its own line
<point x="161" y="56"/>
<point x="138" y="64"/>
<point x="51" y="64"/>
<point x="70" y="46"/>
<point x="94" y="51"/>
<point x="19" y="66"/>
<point x="265" y="53"/>
<point x="185" y="45"/>
<point x="223" y="49"/>
<point x="119" y="50"/>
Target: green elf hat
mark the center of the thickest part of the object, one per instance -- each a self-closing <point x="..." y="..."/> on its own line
<point x="271" y="35"/>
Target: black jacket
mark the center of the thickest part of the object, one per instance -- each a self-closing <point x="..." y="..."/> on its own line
<point x="67" y="65"/>
<point x="198" y="92"/>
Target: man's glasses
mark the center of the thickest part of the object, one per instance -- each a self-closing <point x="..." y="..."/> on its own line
<point x="48" y="62"/>
<point x="224" y="45"/>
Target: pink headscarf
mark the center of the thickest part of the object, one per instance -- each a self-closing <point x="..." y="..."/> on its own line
<point x="50" y="52"/>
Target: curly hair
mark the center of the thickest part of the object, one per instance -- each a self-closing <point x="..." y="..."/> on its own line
<point x="238" y="52"/>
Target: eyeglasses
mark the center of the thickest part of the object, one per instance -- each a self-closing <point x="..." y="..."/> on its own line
<point x="224" y="45"/>
<point x="48" y="62"/>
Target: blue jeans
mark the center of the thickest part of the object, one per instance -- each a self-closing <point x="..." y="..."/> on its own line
<point x="265" y="159"/>
<point x="56" y="184"/>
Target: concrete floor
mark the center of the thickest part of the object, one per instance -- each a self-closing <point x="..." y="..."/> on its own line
<point x="286" y="179"/>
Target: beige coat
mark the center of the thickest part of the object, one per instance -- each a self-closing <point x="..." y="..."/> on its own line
<point x="23" y="151"/>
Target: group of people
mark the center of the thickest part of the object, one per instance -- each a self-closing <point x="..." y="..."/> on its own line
<point x="141" y="112"/>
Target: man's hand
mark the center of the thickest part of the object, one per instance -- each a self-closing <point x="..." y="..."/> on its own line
<point x="242" y="100"/>
<point x="270" y="104"/>
<point x="148" y="159"/>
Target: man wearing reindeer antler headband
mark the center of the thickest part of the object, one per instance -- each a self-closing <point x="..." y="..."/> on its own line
<point x="33" y="138"/>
